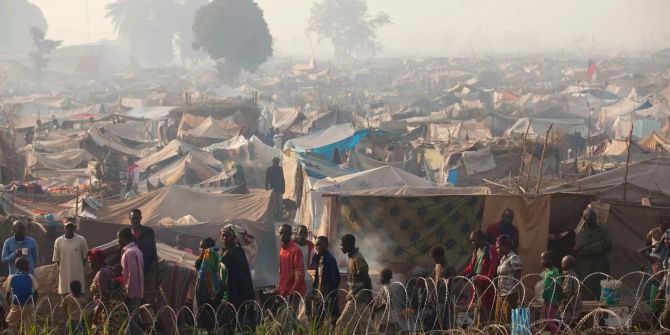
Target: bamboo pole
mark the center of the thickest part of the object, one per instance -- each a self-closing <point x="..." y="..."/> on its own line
<point x="530" y="166"/>
<point x="625" y="176"/>
<point x="544" y="147"/>
<point x="523" y="155"/>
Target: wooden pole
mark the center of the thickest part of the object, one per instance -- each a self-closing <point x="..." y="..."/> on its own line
<point x="539" y="177"/>
<point x="530" y="166"/>
<point x="523" y="156"/>
<point x="76" y="203"/>
<point x="625" y="176"/>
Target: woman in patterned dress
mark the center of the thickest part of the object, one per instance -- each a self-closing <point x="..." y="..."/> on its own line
<point x="107" y="293"/>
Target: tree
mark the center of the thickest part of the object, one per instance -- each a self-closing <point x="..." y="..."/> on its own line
<point x="235" y="33"/>
<point x="148" y="26"/>
<point x="347" y="24"/>
<point x="44" y="47"/>
<point x="184" y="35"/>
<point x="16" y="19"/>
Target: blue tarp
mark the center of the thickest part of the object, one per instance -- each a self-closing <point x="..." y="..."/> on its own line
<point x="343" y="145"/>
<point x="319" y="168"/>
<point x="642" y="128"/>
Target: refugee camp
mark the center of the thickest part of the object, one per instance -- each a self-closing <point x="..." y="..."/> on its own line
<point x="334" y="167"/>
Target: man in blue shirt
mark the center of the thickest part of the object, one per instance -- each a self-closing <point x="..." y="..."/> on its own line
<point x="16" y="246"/>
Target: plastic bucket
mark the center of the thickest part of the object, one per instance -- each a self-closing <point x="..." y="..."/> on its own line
<point x="610" y="292"/>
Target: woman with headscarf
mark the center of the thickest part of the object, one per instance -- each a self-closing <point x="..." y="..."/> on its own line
<point x="108" y="294"/>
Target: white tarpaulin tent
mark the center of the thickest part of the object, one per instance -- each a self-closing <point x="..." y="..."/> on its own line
<point x="283" y="118"/>
<point x="312" y="207"/>
<point x="322" y="138"/>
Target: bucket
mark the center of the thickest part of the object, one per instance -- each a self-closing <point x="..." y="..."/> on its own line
<point x="610" y="292"/>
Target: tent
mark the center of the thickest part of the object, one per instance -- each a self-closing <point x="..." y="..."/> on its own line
<point x="645" y="179"/>
<point x="112" y="142"/>
<point x="187" y="170"/>
<point x="655" y="142"/>
<point x="284" y="118"/>
<point x="212" y="210"/>
<point x="312" y="207"/>
<point x="57" y="145"/>
<point x="538" y="127"/>
<point x="398" y="231"/>
<point x="324" y="142"/>
<point x="201" y="129"/>
<point x="68" y="159"/>
<point x="465" y="130"/>
<point x="177" y="148"/>
<point x="361" y="162"/>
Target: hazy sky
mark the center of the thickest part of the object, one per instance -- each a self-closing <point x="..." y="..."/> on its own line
<point x="437" y="27"/>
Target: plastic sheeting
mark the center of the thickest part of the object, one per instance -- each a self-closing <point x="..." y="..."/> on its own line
<point x="361" y="162"/>
<point x="324" y="142"/>
<point x="68" y="159"/>
<point x="645" y="179"/>
<point x="478" y="161"/>
<point x="385" y="176"/>
<point x="283" y="118"/>
<point x="176" y="148"/>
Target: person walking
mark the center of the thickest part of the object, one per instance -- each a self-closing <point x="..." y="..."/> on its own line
<point x="274" y="180"/>
<point x="355" y="312"/>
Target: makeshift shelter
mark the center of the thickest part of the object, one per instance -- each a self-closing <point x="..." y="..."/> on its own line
<point x="324" y="142"/>
<point x="399" y="231"/>
<point x="539" y="127"/>
<point x="655" y="142"/>
<point x="464" y="130"/>
<point x="54" y="145"/>
<point x="186" y="170"/>
<point x="68" y="159"/>
<point x="212" y="210"/>
<point x="361" y="162"/>
<point x="284" y="118"/>
<point x="108" y="141"/>
<point x="203" y="130"/>
<point x="646" y="179"/>
<point x="176" y="149"/>
<point x="312" y="206"/>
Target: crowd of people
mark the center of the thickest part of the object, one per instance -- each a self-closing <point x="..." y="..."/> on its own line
<point x="224" y="291"/>
<point x="124" y="275"/>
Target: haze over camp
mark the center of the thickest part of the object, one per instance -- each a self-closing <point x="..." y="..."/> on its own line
<point x="334" y="167"/>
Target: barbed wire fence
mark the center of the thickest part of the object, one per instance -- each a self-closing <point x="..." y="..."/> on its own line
<point x="418" y="306"/>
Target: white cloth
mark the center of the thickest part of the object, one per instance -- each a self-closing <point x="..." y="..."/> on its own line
<point x="306" y="257"/>
<point x="70" y="254"/>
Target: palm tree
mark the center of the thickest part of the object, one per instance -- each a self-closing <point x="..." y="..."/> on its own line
<point x="148" y="25"/>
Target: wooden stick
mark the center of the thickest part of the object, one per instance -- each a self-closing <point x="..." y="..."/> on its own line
<point x="530" y="166"/>
<point x="76" y="203"/>
<point x="625" y="176"/>
<point x="523" y="155"/>
<point x="539" y="177"/>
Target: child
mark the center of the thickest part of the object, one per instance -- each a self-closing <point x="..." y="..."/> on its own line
<point x="551" y="294"/>
<point x="388" y="304"/>
<point x="74" y="303"/>
<point x="571" y="299"/>
<point x="21" y="290"/>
